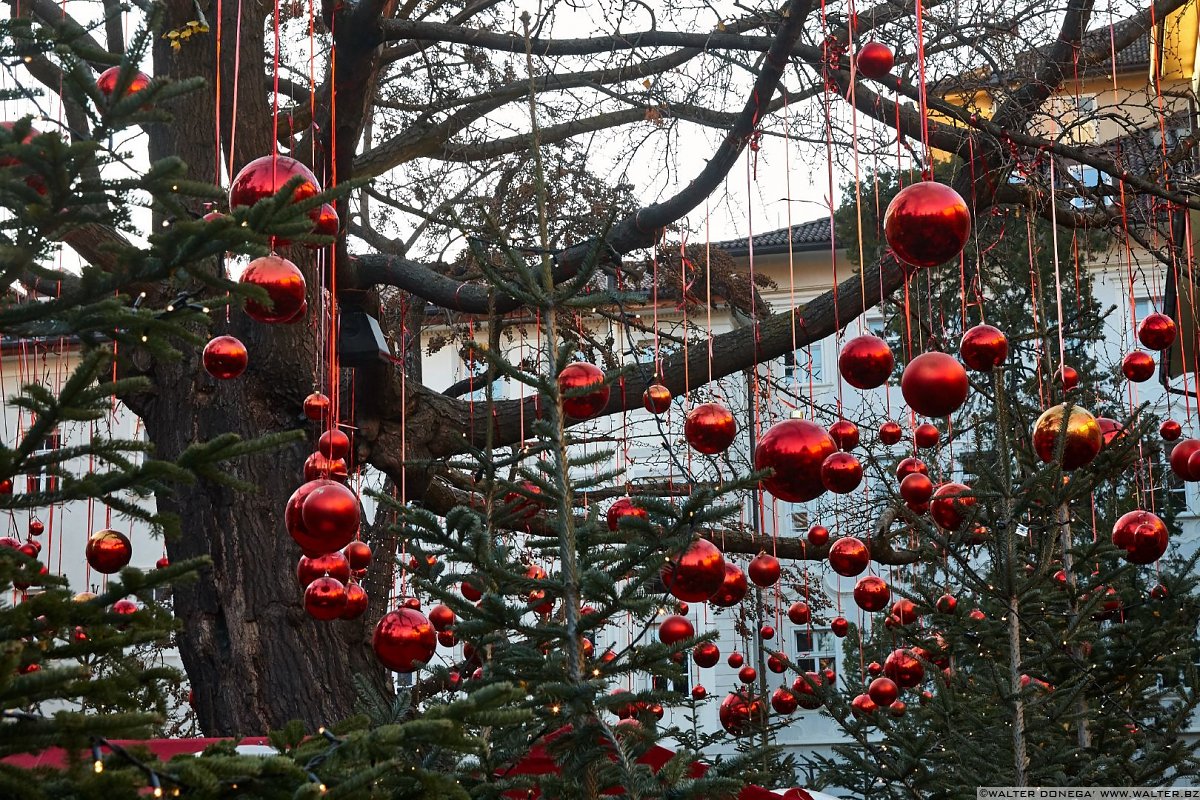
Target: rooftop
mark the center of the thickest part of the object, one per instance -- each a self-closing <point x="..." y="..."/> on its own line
<point x="805" y="237"/>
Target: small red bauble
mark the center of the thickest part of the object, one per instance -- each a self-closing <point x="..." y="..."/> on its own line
<point x="983" y="347"/>
<point x="1158" y="592"/>
<point x="949" y="505"/>
<point x="1068" y="377"/>
<point x="783" y="701"/>
<point x="1157" y="331"/>
<point x="325" y="599"/>
<point x="747" y="674"/>
<point x="841" y="473"/>
<point x="909" y="466"/>
<point x="818" y="536"/>
<point x="776" y="663"/>
<point x="840" y="626"/>
<point x="904" y="668"/>
<point x="584" y="392"/>
<point x="624" y="507"/>
<point x="916" y="488"/>
<point x="265" y="176"/>
<point x="1083" y="436"/>
<point x="735" y="660"/>
<point x="1138" y="366"/>
<point x="332" y="564"/>
<point x="1170" y="430"/>
<point x="799" y="613"/>
<point x="316" y="406"/>
<point x="706" y="654"/>
<point x="927" y="224"/>
<point x="325" y="223"/>
<point x="699" y="692"/>
<point x="849" y="557"/>
<point x="107" y="551"/>
<point x="330" y="516"/>
<point x="656" y="399"/>
<point x="898" y="708"/>
<point x="871" y="593"/>
<point x="844" y="434"/>
<point x="675" y="629"/>
<point x="1109" y="429"/>
<point x="733" y="587"/>
<point x="1142" y="535"/>
<point x="874" y="60"/>
<point x="795" y="449"/>
<point x="284" y="284"/>
<point x="976" y="615"/>
<point x="470" y="592"/>
<point x="946" y="604"/>
<point x="441" y="617"/>
<point x="697" y="573"/>
<point x="125" y="607"/>
<point x="709" y="428"/>
<point x="866" y="362"/>
<point x="318" y="466"/>
<point x="520" y="504"/>
<point x="905" y="611"/>
<point x="926" y="435"/>
<point x="875" y="669"/>
<point x="863" y="706"/>
<point x="356" y="602"/>
<point x="225" y="357"/>
<point x="334" y="443"/>
<point x="766" y="632"/>
<point x="890" y="432"/>
<point x="162" y="563"/>
<point x="402" y="639"/>
<point x="31" y="548"/>
<point x="763" y="570"/>
<point x="883" y="691"/>
<point x="107" y="82"/>
<point x="805" y="689"/>
<point x="934" y="384"/>
<point x="36" y="528"/>
<point x="358" y="554"/>
<point x="740" y="714"/>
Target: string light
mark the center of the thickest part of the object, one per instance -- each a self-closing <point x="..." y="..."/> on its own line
<point x="97" y="762"/>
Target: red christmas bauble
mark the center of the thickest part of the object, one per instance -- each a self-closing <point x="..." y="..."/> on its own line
<point x="656" y="399"/>
<point x="766" y="632"/>
<point x="1142" y="535"/>
<point x="840" y="626"/>
<point x="523" y="503"/>
<point x="107" y="82"/>
<point x="697" y="573"/>
<point x="265" y="176"/>
<point x="783" y="701"/>
<point x="1138" y="366"/>
<point x="332" y="564"/>
<point x="905" y="611"/>
<point x="741" y="714"/>
<point x="1180" y="458"/>
<point x="325" y="223"/>
<point x="358" y="554"/>
<point x="584" y="392"/>
<point x="1170" y="430"/>
<point x="706" y="654"/>
<point x="874" y="60"/>
<point x="624" y="507"/>
<point x="10" y="542"/>
<point x="330" y="514"/>
<point x="107" y="551"/>
<point x="294" y="522"/>
<point x="777" y="663"/>
<point x="946" y="604"/>
<point x="441" y="617"/>
<point x="356" y="602"/>
<point x="709" y="428"/>
<point x="675" y="629"/>
<point x="1083" y="436"/>
<point x="1157" y="331"/>
<point x="325" y="599"/>
<point x="983" y="347"/>
<point x="763" y="570"/>
<point x="799" y="613"/>
<point x="699" y="692"/>
<point x="863" y="706"/>
<point x="844" y="434"/>
<point x="316" y="406"/>
<point x="875" y="669"/>
<point x="934" y="384"/>
<point x="976" y="615"/>
<point x="1068" y="377"/>
<point x="31" y="548"/>
<point x="334" y="443"/>
<point x="733" y="587"/>
<point x="904" y="668"/>
<point x="949" y="505"/>
<point x="747" y="674"/>
<point x="927" y="224"/>
<point x="795" y="449"/>
<point x="890" y="432"/>
<point x="470" y="592"/>
<point x="404" y="638"/>
<point x="318" y="466"/>
<point x="883" y="691"/>
<point x="898" y="708"/>
<point x="125" y="607"/>
<point x="225" y="357"/>
<point x="1158" y="592"/>
<point x="909" y="466"/>
<point x="284" y="284"/>
<point x="871" y="593"/>
<point x="735" y="660"/>
<point x="818" y="536"/>
<point x="841" y="473"/>
<point x="36" y="528"/>
<point x="866" y="362"/>
<point x="849" y="556"/>
<point x="162" y="563"/>
<point x="926" y="435"/>
<point x="916" y="488"/>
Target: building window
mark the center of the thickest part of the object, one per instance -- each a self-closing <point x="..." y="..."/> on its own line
<point x="1169" y="490"/>
<point x="1145" y="306"/>
<point x="805" y="364"/>
<point x="661" y="684"/>
<point x="800" y="522"/>
<point x="1085" y="127"/>
<point x="41" y="482"/>
<point x="816" y="650"/>
<point x="1088" y="185"/>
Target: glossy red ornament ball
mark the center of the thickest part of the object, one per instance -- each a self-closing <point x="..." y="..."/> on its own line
<point x="356" y="602"/>
<point x="675" y="629"/>
<point x="294" y="522"/>
<point x="740" y="714"/>
<point x="1067" y="377"/>
<point x="747" y="674"/>
<point x="706" y="654"/>
<point x="904" y="668"/>
<point x="866" y="362"/>
<point x="735" y="660"/>
<point x="927" y="224"/>
<point x="763" y="570"/>
<point x="325" y="599"/>
<point x="441" y="617"/>
<point x="162" y="563"/>
<point x="404" y="638"/>
<point x="983" y="347"/>
<point x="976" y="615"/>
<point x="934" y="384"/>
<point x="709" y="428"/>
<point x="1083" y="437"/>
<point x="841" y="473"/>
<point x="412" y="602"/>
<point x="330" y="514"/>
<point x="584" y="392"/>
<point x="776" y="663"/>
<point x="909" y="466"/>
<point x="225" y="357"/>
<point x="840" y="626"/>
<point x="783" y="701"/>
<point x="1157" y="331"/>
<point x="898" y="708"/>
<point x="358" y="554"/>
<point x="890" y="432"/>
<point x="318" y="466"/>
<point x="799" y="613"/>
<point x="699" y="692"/>
<point x="849" y="557"/>
<point x="733" y="587"/>
<point x="883" y="691"/>
<point x="1138" y="366"/>
<point x="697" y="573"/>
<point x="875" y="669"/>
<point x="905" y="611"/>
<point x="284" y="284"/>
<point x="1170" y="430"/>
<point x="1158" y="592"/>
<point x="10" y="542"/>
<point x="107" y="82"/>
<point x="818" y="536"/>
<point x="36" y="528"/>
<point x="844" y="434"/>
<point x="31" y="548"/>
<point x="926" y="435"/>
<point x="656" y="399"/>
<point x="316" y="406"/>
<point x="875" y="60"/>
<point x="950" y="504"/>
<point x="334" y="443"/>
<point x="125" y="607"/>
<point x="332" y="564"/>
<point x="916" y="489"/>
<point x="470" y="592"/>
<point x="1180" y="459"/>
<point x="624" y="507"/>
<point x="325" y="223"/>
<point x="1142" y="535"/>
<point x="795" y="449"/>
<point x="863" y="706"/>
<point x="107" y="551"/>
<point x="766" y="632"/>
<point x="871" y="593"/>
<point x="946" y="604"/>
<point x="265" y="176"/>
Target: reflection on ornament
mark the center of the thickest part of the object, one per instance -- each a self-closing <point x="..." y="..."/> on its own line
<point x="934" y="384"/>
<point x="656" y="399"/>
<point x="818" y="536"/>
<point x="225" y="357"/>
<point x="584" y="392"/>
<point x="1157" y="331"/>
<point x="1138" y="366"/>
<point x="107" y="551"/>
<point x="849" y="557"/>
<point x="1142" y="535"/>
<point x="795" y="449"/>
<point x="696" y="574"/>
<point x="866" y="362"/>
<point x="284" y="284"/>
<point x="874" y="60"/>
<point x="844" y="434"/>
<point x="841" y="473"/>
<point x="927" y="224"/>
<point x="622" y="509"/>
<point x="983" y="347"/>
<point x="403" y="639"/>
<point x="325" y="599"/>
<point x="733" y="587"/>
<point x="709" y="428"/>
<point x="107" y="82"/>
<point x="871" y="593"/>
<point x="1083" y="436"/>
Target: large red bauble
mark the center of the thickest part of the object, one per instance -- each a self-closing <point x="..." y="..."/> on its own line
<point x="584" y="393"/>
<point x="1170" y="430"/>
<point x="916" y="488"/>
<point x="107" y="551"/>
<point x="331" y="515"/>
<point x="871" y="593"/>
<point x="818" y="536"/>
<point x="318" y="466"/>
<point x="334" y="443"/>
<point x="325" y="598"/>
<point x="904" y="668"/>
<point x="983" y="347"/>
<point x="849" y="557"/>
<point x="656" y="399"/>
<point x="795" y="449"/>
<point x="1181" y="454"/>
<point x="332" y="564"/>
<point x="316" y="406"/>
<point x="697" y="573"/>
<point x="623" y="508"/>
<point x="844" y="434"/>
<point x="926" y="435"/>
<point x="225" y="357"/>
<point x="840" y="626"/>
<point x="1138" y="366"/>
<point x="356" y="602"/>
<point x="863" y="706"/>
<point x="948" y="505"/>
<point x="107" y="82"/>
<point x="741" y="714"/>
<point x="783" y="701"/>
<point x="841" y="473"/>
<point x="766" y="632"/>
<point x="735" y="660"/>
<point x="866" y="362"/>
<point x="441" y="617"/>
<point x="890" y="432"/>
<point x="706" y="654"/>
<point x="946" y="604"/>
<point x="265" y="176"/>
<point x="733" y="587"/>
<point x="884" y="691"/>
<point x="709" y="428"/>
<point x="874" y="60"/>
<point x="934" y="384"/>
<point x="905" y="611"/>
<point x="675" y="629"/>
<point x="404" y="638"/>
<point x="1142" y="535"/>
<point x="325" y="223"/>
<point x="763" y="570"/>
<point x="1083" y="436"/>
<point x="1157" y="331"/>
<point x="284" y="284"/>
<point x="910" y="466"/>
<point x="927" y="224"/>
<point x="799" y="613"/>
